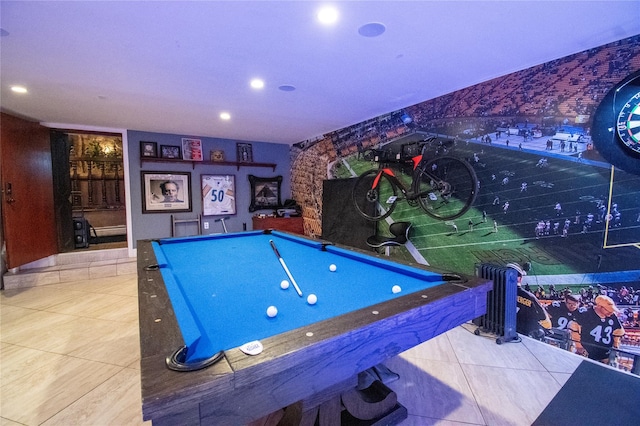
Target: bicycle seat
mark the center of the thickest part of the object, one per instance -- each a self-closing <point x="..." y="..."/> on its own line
<point x="399" y="232"/>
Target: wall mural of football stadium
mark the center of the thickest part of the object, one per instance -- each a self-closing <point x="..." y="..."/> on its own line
<point x="547" y="199"/>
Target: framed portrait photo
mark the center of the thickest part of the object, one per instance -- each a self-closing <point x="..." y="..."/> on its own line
<point x="265" y="193"/>
<point x="148" y="149"/>
<point x="191" y="149"/>
<point x="170" y="151"/>
<point x="218" y="195"/>
<point x="166" y="192"/>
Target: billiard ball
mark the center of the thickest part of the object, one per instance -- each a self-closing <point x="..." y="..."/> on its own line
<point x="272" y="311"/>
<point x="284" y="284"/>
<point x="312" y="299"/>
<point x="396" y="289"/>
<point x="332" y="267"/>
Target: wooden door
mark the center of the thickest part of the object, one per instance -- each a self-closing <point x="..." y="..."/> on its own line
<point x="28" y="217"/>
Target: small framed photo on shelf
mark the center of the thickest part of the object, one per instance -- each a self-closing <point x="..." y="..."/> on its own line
<point x="170" y="151"/>
<point x="218" y="194"/>
<point x="245" y="152"/>
<point x="265" y="193"/>
<point x="166" y="192"/>
<point x="148" y="149"/>
<point x="216" y="156"/>
<point x="191" y="149"/>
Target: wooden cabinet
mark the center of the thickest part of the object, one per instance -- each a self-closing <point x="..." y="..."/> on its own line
<point x="289" y="224"/>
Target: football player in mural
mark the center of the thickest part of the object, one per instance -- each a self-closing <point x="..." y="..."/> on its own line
<point x="597" y="330"/>
<point x="563" y="312"/>
<point x="532" y="319"/>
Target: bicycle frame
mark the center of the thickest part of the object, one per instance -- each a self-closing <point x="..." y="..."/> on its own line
<point x="416" y="160"/>
<point x="444" y="187"/>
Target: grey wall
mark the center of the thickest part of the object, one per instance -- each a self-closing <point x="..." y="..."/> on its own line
<point x="158" y="225"/>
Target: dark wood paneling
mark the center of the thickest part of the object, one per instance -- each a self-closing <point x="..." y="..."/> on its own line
<point x="60" y="147"/>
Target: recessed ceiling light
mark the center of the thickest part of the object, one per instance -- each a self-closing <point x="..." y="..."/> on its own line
<point x="328" y="15"/>
<point x="287" y="88"/>
<point x="19" y="89"/>
<point x="256" y="83"/>
<point x="225" y="116"/>
<point x="372" y="29"/>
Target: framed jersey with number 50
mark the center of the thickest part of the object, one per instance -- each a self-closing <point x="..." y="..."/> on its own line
<point x="218" y="195"/>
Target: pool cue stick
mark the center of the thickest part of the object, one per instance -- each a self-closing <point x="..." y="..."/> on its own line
<point x="284" y="266"/>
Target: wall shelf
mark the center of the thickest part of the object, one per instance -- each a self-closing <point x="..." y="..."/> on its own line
<point x="215" y="163"/>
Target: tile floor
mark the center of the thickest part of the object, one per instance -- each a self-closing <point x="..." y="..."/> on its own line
<point x="69" y="355"/>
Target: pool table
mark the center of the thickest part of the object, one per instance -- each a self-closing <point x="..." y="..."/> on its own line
<point x="210" y="353"/>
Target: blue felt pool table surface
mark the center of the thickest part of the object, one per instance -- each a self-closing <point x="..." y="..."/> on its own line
<point x="220" y="286"/>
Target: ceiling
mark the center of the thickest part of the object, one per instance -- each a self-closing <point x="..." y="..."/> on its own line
<point x="174" y="66"/>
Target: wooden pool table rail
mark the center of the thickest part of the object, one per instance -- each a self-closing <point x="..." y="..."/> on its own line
<point x="293" y="365"/>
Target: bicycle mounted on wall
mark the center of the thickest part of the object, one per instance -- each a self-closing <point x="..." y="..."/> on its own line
<point x="444" y="187"/>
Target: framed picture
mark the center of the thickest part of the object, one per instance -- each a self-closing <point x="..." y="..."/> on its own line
<point x="191" y="149"/>
<point x="265" y="193"/>
<point x="245" y="152"/>
<point x="170" y="151"/>
<point x="218" y="194"/>
<point x="217" y="155"/>
<point x="148" y="149"/>
<point x="166" y="192"/>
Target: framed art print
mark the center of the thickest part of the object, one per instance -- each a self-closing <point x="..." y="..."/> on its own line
<point x="191" y="149"/>
<point x="170" y="151"/>
<point x="245" y="152"/>
<point x="265" y="193"/>
<point x="216" y="156"/>
<point x="148" y="149"/>
<point x="166" y="192"/>
<point x="218" y="195"/>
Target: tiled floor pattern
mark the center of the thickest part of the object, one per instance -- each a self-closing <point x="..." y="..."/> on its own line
<point x="70" y="356"/>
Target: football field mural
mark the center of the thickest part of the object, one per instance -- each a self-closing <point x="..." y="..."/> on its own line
<point x="546" y="197"/>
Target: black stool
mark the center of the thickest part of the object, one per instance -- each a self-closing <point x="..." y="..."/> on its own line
<point x="399" y="237"/>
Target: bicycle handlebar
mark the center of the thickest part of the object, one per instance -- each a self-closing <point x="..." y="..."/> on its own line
<point x="387" y="156"/>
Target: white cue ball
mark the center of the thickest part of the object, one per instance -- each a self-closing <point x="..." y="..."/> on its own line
<point x="312" y="299"/>
<point x="284" y="284"/>
<point x="272" y="311"/>
<point x="332" y="267"/>
<point x="396" y="289"/>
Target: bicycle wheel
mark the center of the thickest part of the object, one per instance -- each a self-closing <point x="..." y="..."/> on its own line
<point x="374" y="203"/>
<point x="446" y="187"/>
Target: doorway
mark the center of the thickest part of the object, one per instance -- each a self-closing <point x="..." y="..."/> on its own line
<point x="89" y="183"/>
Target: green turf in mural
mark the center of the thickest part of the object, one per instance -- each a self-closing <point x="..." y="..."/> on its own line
<point x="561" y="194"/>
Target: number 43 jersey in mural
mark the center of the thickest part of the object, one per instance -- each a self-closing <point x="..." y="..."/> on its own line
<point x="598" y="329"/>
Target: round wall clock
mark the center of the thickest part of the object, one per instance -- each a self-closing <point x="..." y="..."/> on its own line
<point x="616" y="125"/>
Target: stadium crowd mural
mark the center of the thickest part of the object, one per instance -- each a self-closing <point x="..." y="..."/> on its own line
<point x="547" y="200"/>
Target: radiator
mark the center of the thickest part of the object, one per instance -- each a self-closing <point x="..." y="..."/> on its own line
<point x="500" y="318"/>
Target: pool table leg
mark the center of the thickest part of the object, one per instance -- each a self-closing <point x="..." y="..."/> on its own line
<point x="289" y="416"/>
<point x="370" y="403"/>
<point x="340" y="405"/>
<point x="273" y="419"/>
